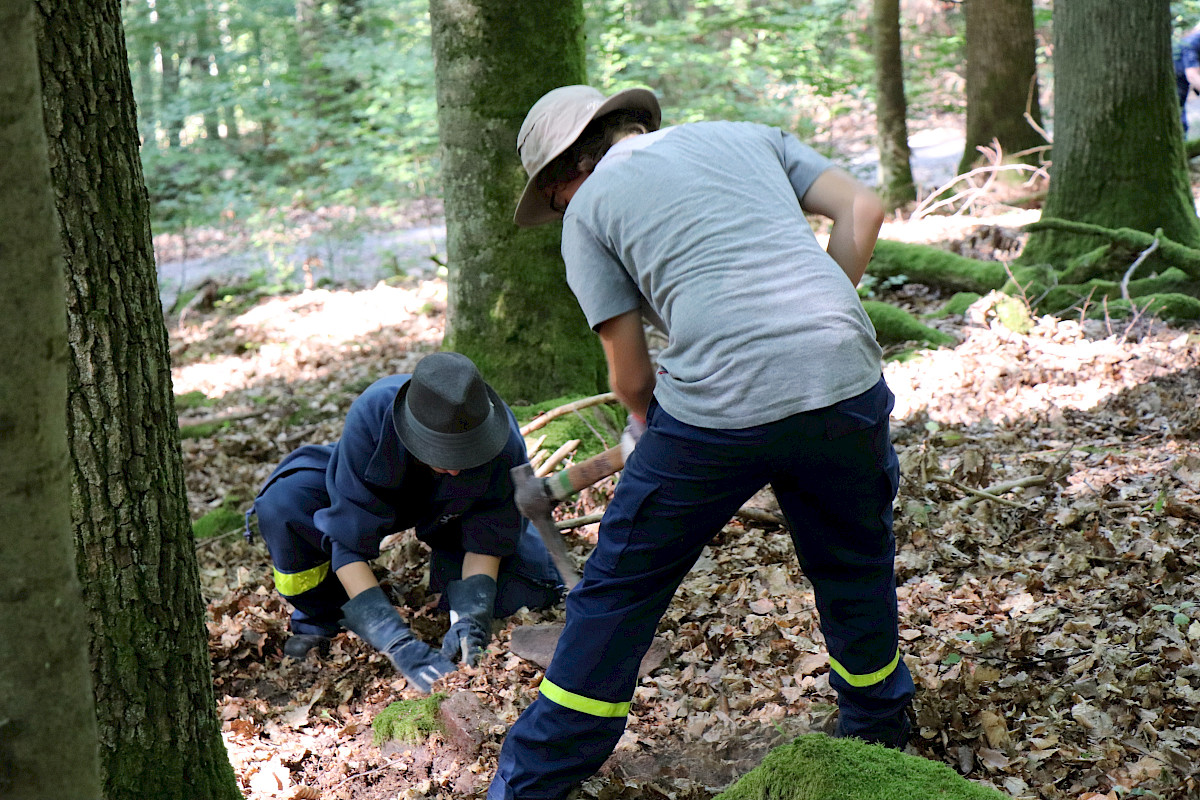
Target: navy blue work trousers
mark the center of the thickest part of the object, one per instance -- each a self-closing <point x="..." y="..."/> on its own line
<point x="835" y="474"/>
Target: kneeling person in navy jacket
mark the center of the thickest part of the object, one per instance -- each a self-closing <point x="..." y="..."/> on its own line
<point x="430" y="451"/>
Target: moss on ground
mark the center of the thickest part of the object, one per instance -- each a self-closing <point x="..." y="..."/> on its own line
<point x="228" y="517"/>
<point x="408" y="720"/>
<point x="597" y="427"/>
<point x="817" y="767"/>
<point x="895" y="325"/>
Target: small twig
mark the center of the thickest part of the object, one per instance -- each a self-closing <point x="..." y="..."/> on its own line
<point x="745" y="512"/>
<point x="221" y="418"/>
<point x="579" y="522"/>
<point x="1132" y="267"/>
<point x="380" y="768"/>
<point x="210" y="539"/>
<point x="556" y="457"/>
<point x="555" y="413"/>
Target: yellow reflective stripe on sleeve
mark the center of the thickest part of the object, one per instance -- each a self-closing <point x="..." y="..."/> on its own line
<point x="871" y="678"/>
<point x="584" y="705"/>
<point x="291" y="584"/>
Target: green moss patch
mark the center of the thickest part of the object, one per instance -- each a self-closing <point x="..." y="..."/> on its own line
<point x="817" y="767"/>
<point x="228" y="517"/>
<point x="408" y="720"/>
<point x="895" y="325"/>
<point x="597" y="427"/>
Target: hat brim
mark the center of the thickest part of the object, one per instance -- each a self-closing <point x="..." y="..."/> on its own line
<point x="534" y="208"/>
<point x="452" y="451"/>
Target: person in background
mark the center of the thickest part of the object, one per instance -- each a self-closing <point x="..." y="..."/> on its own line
<point x="771" y="374"/>
<point x="1187" y="71"/>
<point x="430" y="450"/>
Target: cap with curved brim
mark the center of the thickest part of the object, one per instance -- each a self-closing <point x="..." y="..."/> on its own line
<point x="553" y="125"/>
<point x="455" y="451"/>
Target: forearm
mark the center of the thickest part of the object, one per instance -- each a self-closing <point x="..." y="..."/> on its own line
<point x="852" y="237"/>
<point x="630" y="371"/>
<point x="480" y="564"/>
<point x="356" y="577"/>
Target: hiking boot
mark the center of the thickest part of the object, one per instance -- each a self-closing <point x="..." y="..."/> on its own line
<point x="897" y="739"/>
<point x="301" y="644"/>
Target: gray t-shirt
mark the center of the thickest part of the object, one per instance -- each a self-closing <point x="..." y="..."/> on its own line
<point x="703" y="221"/>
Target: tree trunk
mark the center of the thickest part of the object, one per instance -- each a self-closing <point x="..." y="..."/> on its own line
<point x="1118" y="155"/>
<point x="1001" y="79"/>
<point x="159" y="733"/>
<point x="895" y="169"/>
<point x="48" y="745"/>
<point x="510" y="309"/>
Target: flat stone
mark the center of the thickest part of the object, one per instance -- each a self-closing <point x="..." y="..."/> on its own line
<point x="536" y="643"/>
<point x="467" y="722"/>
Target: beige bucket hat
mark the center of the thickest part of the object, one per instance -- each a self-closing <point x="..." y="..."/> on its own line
<point x="553" y="125"/>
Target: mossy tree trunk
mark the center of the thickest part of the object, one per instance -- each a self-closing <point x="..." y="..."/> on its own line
<point x="1118" y="156"/>
<point x="48" y="744"/>
<point x="1001" y="79"/>
<point x="151" y="674"/>
<point x="510" y="309"/>
<point x="891" y="108"/>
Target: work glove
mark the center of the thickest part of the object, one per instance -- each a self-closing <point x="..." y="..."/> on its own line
<point x="634" y="428"/>
<point x="471" y="603"/>
<point x="372" y="616"/>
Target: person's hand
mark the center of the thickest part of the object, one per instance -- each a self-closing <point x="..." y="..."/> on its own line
<point x="375" y="619"/>
<point x="634" y="428"/>
<point x="472" y="602"/>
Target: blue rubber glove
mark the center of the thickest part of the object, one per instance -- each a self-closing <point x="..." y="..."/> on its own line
<point x="372" y="616"/>
<point x="471" y="601"/>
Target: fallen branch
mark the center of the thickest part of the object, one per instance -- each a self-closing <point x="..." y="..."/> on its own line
<point x="1132" y="267"/>
<point x="546" y="467"/>
<point x="555" y="413"/>
<point x="992" y="492"/>
<point x="749" y="513"/>
<point x="220" y="419"/>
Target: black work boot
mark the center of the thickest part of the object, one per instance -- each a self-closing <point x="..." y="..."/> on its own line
<point x="300" y="645"/>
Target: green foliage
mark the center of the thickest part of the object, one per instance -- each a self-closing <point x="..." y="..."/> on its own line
<point x="596" y="427"/>
<point x="223" y="519"/>
<point x="958" y="304"/>
<point x="817" y="767"/>
<point x="895" y="326"/>
<point x="191" y="400"/>
<point x="408" y="720"/>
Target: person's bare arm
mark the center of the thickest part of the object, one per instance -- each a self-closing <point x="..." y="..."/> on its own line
<point x="857" y="215"/>
<point x="630" y="372"/>
<point x="356" y="577"/>
<point x="480" y="564"/>
<point x="1193" y="77"/>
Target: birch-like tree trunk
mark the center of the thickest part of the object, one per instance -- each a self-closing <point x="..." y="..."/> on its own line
<point x="1002" y="82"/>
<point x="1118" y="158"/>
<point x="510" y="309"/>
<point x="48" y="745"/>
<point x="152" y="678"/>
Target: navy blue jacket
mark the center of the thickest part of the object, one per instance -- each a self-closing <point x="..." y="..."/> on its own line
<point x="376" y="487"/>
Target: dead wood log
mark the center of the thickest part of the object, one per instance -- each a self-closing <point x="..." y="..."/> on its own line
<point x="569" y="408"/>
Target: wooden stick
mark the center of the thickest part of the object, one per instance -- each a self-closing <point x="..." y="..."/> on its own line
<point x="556" y="458"/>
<point x="992" y="492"/>
<point x="555" y="413"/>
<point x="745" y="512"/>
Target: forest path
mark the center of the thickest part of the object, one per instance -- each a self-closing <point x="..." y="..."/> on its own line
<point x="361" y="253"/>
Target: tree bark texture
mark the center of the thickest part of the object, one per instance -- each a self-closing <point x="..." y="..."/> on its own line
<point x="1118" y="158"/>
<point x="48" y="744"/>
<point x="891" y="108"/>
<point x="159" y="733"/>
<point x="510" y="309"/>
<point x="1001" y="79"/>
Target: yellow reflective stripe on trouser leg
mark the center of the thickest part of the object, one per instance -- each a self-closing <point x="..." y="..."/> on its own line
<point x="291" y="584"/>
<point x="869" y="679"/>
<point x="584" y="705"/>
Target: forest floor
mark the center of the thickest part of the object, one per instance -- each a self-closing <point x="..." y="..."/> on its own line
<point x="1048" y="535"/>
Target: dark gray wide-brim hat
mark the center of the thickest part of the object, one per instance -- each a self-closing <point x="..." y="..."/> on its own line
<point x="553" y="125"/>
<point x="447" y="416"/>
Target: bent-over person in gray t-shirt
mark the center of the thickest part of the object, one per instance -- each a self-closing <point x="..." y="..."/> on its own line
<point x="771" y="374"/>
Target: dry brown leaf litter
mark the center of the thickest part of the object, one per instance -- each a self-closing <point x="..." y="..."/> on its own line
<point x="1053" y="633"/>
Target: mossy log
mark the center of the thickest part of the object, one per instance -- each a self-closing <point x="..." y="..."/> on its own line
<point x="1170" y="305"/>
<point x="935" y="267"/>
<point x="1170" y="252"/>
<point x="895" y="325"/>
<point x="817" y="767"/>
<point x="1052" y="299"/>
